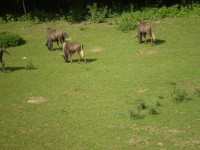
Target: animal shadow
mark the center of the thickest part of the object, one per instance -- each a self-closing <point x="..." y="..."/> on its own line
<point x="11" y="69"/>
<point x="56" y="49"/>
<point x="82" y="60"/>
<point x="159" y="41"/>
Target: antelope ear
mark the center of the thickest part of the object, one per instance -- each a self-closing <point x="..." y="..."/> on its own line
<point x="138" y="21"/>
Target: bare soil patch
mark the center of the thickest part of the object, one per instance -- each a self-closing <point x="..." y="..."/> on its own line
<point x="140" y="91"/>
<point x="36" y="100"/>
<point x="138" y="140"/>
<point x="96" y="49"/>
<point x="148" y="52"/>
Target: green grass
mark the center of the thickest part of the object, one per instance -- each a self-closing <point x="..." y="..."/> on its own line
<point x="87" y="106"/>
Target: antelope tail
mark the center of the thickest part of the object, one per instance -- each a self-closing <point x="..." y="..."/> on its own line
<point x="81" y="52"/>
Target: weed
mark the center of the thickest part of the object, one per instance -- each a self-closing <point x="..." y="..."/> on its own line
<point x="136" y="115"/>
<point x="197" y="92"/>
<point x="160" y="97"/>
<point x="29" y="65"/>
<point x="179" y="95"/>
<point x="141" y="105"/>
<point x="158" y="104"/>
<point x="153" y="111"/>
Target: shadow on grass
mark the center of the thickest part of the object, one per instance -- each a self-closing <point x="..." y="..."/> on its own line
<point x="83" y="61"/>
<point x="158" y="41"/>
<point x="11" y="69"/>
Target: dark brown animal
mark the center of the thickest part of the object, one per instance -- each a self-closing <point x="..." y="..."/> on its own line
<point x="145" y="28"/>
<point x="1" y="59"/>
<point x="54" y="35"/>
<point x="69" y="48"/>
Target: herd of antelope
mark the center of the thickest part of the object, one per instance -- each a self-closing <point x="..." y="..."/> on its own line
<point x="69" y="47"/>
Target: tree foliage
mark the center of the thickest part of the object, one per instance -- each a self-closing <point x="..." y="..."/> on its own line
<point x="54" y="6"/>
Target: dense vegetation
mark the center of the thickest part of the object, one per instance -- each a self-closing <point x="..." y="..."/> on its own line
<point x="22" y="6"/>
<point x="8" y="39"/>
<point x="93" y="10"/>
<point x="125" y="20"/>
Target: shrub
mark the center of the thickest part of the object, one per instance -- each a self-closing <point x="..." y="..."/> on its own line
<point x="125" y="26"/>
<point x="96" y="15"/>
<point x="8" y="39"/>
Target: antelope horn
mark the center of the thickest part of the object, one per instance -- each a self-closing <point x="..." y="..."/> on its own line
<point x="62" y="54"/>
<point x="69" y="39"/>
<point x="45" y="42"/>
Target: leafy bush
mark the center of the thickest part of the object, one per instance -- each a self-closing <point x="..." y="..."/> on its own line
<point x="96" y="15"/>
<point x="8" y="39"/>
<point x="127" y="25"/>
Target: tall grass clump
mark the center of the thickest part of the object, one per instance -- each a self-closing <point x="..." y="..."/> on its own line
<point x="197" y="92"/>
<point x="8" y="39"/>
<point x="179" y="95"/>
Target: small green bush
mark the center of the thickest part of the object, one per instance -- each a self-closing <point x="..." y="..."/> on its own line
<point x="128" y="25"/>
<point x="8" y="39"/>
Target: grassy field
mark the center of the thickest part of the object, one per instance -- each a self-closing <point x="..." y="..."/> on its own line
<point x="88" y="106"/>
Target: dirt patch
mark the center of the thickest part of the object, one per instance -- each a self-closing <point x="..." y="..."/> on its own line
<point x="96" y="49"/>
<point x="35" y="100"/>
<point x="148" y="52"/>
<point x="138" y="140"/>
<point x="140" y="91"/>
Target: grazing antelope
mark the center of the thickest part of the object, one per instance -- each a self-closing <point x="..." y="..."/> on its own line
<point x="145" y="28"/>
